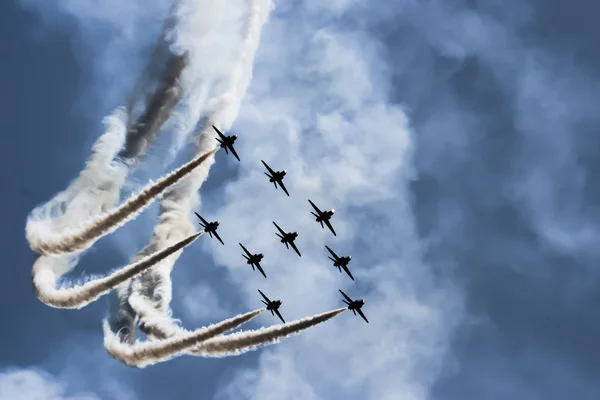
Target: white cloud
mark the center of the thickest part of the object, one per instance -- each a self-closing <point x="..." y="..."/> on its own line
<point x="35" y="384"/>
<point x="318" y="107"/>
<point x="201" y="303"/>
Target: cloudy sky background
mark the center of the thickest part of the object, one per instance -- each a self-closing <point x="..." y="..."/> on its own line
<point x="457" y="144"/>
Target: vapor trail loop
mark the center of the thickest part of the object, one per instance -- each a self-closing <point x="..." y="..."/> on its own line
<point x="142" y="354"/>
<point x="47" y="270"/>
<point x="76" y="240"/>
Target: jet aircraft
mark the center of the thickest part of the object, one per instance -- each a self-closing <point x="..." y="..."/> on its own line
<point x="276" y="177"/>
<point x="272" y="306"/>
<point x="323" y="216"/>
<point x="226" y="142"/>
<point x="354" y="305"/>
<point x="210" y="227"/>
<point x="287" y="238"/>
<point x="253" y="259"/>
<point x="340" y="262"/>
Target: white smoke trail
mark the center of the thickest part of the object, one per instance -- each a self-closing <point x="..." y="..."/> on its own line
<point x="47" y="270"/>
<point x="176" y="212"/>
<point x="244" y="341"/>
<point x="142" y="354"/>
<point x="97" y="187"/>
<point x="49" y="242"/>
<point x="158" y="326"/>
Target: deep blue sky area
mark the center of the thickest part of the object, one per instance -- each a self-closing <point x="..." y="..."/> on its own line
<point x="503" y="101"/>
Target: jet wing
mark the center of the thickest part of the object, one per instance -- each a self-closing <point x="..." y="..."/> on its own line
<point x="330" y="227"/>
<point x="246" y="250"/>
<point x="279" y="228"/>
<point x="283" y="187"/>
<point x="348" y="272"/>
<point x="295" y="248"/>
<point x="263" y="295"/>
<point x="362" y="315"/>
<point x="267" y="167"/>
<point x="218" y="237"/>
<point x="332" y="253"/>
<point x="315" y="207"/>
<point x="219" y="132"/>
<point x="261" y="271"/>
<point x="279" y="315"/>
<point x="345" y="295"/>
<point x="233" y="152"/>
<point x="205" y="222"/>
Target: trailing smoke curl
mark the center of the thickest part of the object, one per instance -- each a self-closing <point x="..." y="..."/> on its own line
<point x="172" y="88"/>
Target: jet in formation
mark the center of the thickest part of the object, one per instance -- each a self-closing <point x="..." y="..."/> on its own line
<point x="253" y="259"/>
<point x="340" y="262"/>
<point x="272" y="306"/>
<point x="287" y="238"/>
<point x="276" y="177"/>
<point x="210" y="227"/>
<point x="354" y="305"/>
<point x="226" y="142"/>
<point x="323" y="217"/>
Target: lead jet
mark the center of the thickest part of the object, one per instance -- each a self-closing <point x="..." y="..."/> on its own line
<point x="226" y="142"/>
<point x="323" y="216"/>
<point x="272" y="306"/>
<point x="253" y="260"/>
<point x="276" y="177"/>
<point x="287" y="238"/>
<point x="354" y="305"/>
<point x="340" y="262"/>
<point x="210" y="227"/>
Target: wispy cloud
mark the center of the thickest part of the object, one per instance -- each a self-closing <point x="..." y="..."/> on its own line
<point x="35" y="384"/>
<point x="320" y="108"/>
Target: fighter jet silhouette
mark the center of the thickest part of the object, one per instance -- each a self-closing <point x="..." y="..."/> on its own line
<point x="354" y="305"/>
<point x="226" y="142"/>
<point x="287" y="238"/>
<point x="276" y="177"/>
<point x="340" y="262"/>
<point x="272" y="306"/>
<point x="253" y="259"/>
<point x="323" y="216"/>
<point x="210" y="227"/>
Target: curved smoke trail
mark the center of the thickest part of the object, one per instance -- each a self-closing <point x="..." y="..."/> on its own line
<point x="87" y="210"/>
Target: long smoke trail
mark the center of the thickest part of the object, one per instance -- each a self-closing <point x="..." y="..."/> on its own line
<point x="157" y="111"/>
<point x="178" y="203"/>
<point x="47" y="270"/>
<point x="142" y="354"/>
<point x="162" y="328"/>
<point x="47" y="242"/>
<point x="242" y="342"/>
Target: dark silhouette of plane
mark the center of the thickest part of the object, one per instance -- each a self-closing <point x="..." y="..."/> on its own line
<point x="276" y="177"/>
<point x="288" y="238"/>
<point x="354" y="305"/>
<point x="272" y="306"/>
<point x="226" y="142"/>
<point x="323" y="216"/>
<point x="340" y="262"/>
<point x="210" y="227"/>
<point x="253" y="260"/>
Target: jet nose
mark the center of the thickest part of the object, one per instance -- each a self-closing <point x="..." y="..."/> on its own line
<point x="235" y="136"/>
<point x="218" y="223"/>
<point x="363" y="301"/>
<point x="350" y="257"/>
<point x="284" y="171"/>
<point x="333" y="211"/>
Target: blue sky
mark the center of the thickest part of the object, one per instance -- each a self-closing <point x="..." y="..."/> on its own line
<point x="456" y="142"/>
